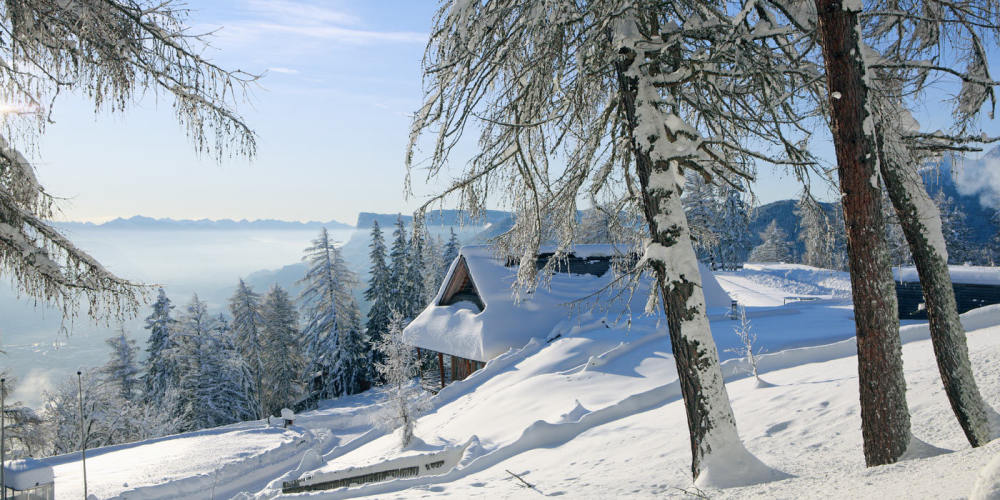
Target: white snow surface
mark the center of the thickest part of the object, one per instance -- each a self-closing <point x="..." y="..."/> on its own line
<point x="597" y="413"/>
<point x="26" y="473"/>
<point x="969" y="275"/>
<point x="510" y="322"/>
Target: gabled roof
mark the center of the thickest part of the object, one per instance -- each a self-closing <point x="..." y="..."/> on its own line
<point x="462" y="328"/>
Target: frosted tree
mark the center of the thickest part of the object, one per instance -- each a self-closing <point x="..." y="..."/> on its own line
<point x="399" y="268"/>
<point x="247" y="327"/>
<point x="416" y="270"/>
<point x="25" y="434"/>
<point x="433" y="270"/>
<point x="451" y="249"/>
<point x="703" y="213"/>
<point x="191" y="341"/>
<point x="748" y="348"/>
<point x="332" y="332"/>
<point x="379" y="296"/>
<point x="225" y="392"/>
<point x="399" y="369"/>
<point x="774" y="248"/>
<point x="112" y="52"/>
<point x="121" y="369"/>
<point x="734" y="235"/>
<point x="879" y="62"/>
<point x="285" y="366"/>
<point x="626" y="97"/>
<point x="160" y="370"/>
<point x="956" y="230"/>
<point x="816" y="234"/>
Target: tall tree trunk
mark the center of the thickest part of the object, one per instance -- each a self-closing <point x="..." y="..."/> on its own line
<point x="921" y="223"/>
<point x="718" y="458"/>
<point x="885" y="419"/>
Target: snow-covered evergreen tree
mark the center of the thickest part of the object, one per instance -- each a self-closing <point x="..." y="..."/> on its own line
<point x="121" y="369"/>
<point x="957" y="233"/>
<point x="191" y="341"/>
<point x="451" y="249"/>
<point x="160" y="370"/>
<point x="433" y="270"/>
<point x="379" y="297"/>
<point x="332" y="335"/>
<point x="399" y="268"/>
<point x="774" y="248"/>
<point x="734" y="235"/>
<point x="416" y="269"/>
<point x="248" y="325"/>
<point x="815" y="232"/>
<point x="702" y="210"/>
<point x="398" y="369"/>
<point x="285" y="367"/>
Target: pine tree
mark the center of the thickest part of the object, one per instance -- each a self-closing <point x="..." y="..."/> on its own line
<point x="225" y="385"/>
<point x="121" y="370"/>
<point x="332" y="335"/>
<point x="247" y="328"/>
<point x="284" y="366"/>
<point x="775" y="248"/>
<point x="160" y="370"/>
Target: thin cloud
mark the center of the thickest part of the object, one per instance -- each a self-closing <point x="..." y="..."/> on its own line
<point x="290" y="18"/>
<point x="286" y="71"/>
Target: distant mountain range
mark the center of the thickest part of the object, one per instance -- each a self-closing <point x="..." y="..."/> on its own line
<point x="434" y="218"/>
<point x="149" y="223"/>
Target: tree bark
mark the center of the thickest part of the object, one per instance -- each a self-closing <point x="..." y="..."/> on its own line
<point x="921" y="225"/>
<point x="885" y="419"/>
<point x="709" y="415"/>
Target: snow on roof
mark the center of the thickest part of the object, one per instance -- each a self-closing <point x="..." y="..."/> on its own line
<point x="966" y="275"/>
<point x="462" y="330"/>
<point x="26" y="473"/>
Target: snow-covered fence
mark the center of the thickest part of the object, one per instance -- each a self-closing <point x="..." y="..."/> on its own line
<point x="424" y="464"/>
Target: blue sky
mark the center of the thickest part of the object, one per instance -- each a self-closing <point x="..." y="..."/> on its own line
<point x="332" y="115"/>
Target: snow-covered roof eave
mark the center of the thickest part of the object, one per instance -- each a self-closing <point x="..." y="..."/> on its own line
<point x="461" y="330"/>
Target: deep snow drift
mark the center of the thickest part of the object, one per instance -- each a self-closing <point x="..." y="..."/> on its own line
<point x="597" y="413"/>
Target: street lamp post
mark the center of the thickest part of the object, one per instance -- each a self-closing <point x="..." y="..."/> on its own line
<point x="83" y="442"/>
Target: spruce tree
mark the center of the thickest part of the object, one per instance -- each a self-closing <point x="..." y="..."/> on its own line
<point x="285" y="366"/>
<point x="451" y="249"/>
<point x="734" y="236"/>
<point x="415" y="271"/>
<point x="700" y="206"/>
<point x="160" y="370"/>
<point x="121" y="370"/>
<point x="379" y="296"/>
<point x="399" y="268"/>
<point x="957" y="234"/>
<point x="775" y="247"/>
<point x="188" y="352"/>
<point x="248" y="332"/>
<point x="332" y="335"/>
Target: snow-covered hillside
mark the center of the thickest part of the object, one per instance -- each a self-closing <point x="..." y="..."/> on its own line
<point x="596" y="413"/>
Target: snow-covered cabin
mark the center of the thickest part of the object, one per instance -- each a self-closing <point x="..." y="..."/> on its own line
<point x="28" y="479"/>
<point x="475" y="316"/>
<point x="975" y="287"/>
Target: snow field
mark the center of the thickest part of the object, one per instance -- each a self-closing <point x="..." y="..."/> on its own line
<point x="807" y="425"/>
